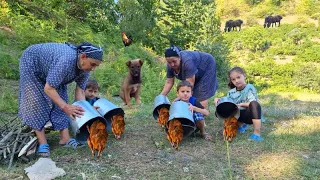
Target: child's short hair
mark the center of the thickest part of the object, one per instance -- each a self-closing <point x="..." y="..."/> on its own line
<point x="183" y="84"/>
<point x="92" y="84"/>
<point x="238" y="70"/>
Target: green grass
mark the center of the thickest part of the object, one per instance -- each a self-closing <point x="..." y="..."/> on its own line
<point x="290" y="149"/>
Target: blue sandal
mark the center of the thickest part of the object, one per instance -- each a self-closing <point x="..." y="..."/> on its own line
<point x="255" y="137"/>
<point x="43" y="150"/>
<point x="73" y="144"/>
<point x="243" y="128"/>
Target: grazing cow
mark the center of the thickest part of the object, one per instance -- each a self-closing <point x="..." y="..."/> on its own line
<point x="269" y="20"/>
<point x="233" y="24"/>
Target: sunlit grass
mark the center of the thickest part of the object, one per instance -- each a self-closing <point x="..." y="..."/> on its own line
<point x="274" y="166"/>
<point x="302" y="126"/>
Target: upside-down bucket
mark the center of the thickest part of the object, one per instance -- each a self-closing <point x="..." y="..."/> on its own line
<point x="90" y="114"/>
<point x="107" y="109"/>
<point x="226" y="108"/>
<point x="159" y="102"/>
<point x="180" y="110"/>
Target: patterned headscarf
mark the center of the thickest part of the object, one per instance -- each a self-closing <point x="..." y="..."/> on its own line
<point x="172" y="51"/>
<point x="89" y="49"/>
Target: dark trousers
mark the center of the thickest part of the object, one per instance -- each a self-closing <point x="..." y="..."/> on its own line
<point x="252" y="112"/>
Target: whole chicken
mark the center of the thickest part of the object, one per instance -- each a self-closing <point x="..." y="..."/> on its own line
<point x="163" y="116"/>
<point x="230" y="128"/>
<point x="174" y="133"/>
<point x="98" y="136"/>
<point x="126" y="40"/>
<point x="117" y="125"/>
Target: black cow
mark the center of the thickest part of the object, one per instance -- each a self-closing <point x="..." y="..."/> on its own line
<point x="269" y="20"/>
<point x="233" y="24"/>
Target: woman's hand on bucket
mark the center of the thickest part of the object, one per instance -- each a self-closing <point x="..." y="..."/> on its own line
<point x="73" y="111"/>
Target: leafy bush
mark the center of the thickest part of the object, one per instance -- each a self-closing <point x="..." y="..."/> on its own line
<point x="33" y="31"/>
<point x="304" y="22"/>
<point x="262" y="10"/>
<point x="307" y="76"/>
<point x="310" y="54"/>
<point x="3" y="38"/>
<point x="9" y="68"/>
<point x="254" y="39"/>
<point x="308" y="7"/>
<point x="296" y="35"/>
<point x="251" y="21"/>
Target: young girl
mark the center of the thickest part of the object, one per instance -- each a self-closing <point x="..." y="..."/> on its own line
<point x="184" y="93"/>
<point x="245" y="96"/>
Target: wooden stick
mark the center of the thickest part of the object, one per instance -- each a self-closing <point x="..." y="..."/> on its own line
<point x="22" y="144"/>
<point x="6" y="137"/>
<point x="14" y="148"/>
<point x="5" y="153"/>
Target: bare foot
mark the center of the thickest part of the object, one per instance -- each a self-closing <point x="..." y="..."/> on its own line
<point x="206" y="136"/>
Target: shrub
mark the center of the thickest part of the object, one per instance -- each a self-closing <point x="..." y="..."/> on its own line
<point x="254" y="39"/>
<point x="308" y="7"/>
<point x="307" y="76"/>
<point x="251" y="21"/>
<point x="9" y="68"/>
<point x="310" y="54"/>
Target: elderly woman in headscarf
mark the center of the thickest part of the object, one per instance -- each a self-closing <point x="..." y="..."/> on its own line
<point x="198" y="68"/>
<point x="45" y="71"/>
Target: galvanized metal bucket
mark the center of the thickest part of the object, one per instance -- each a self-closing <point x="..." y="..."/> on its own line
<point x="90" y="114"/>
<point x="226" y="108"/>
<point x="180" y="111"/>
<point x="159" y="102"/>
<point x="107" y="109"/>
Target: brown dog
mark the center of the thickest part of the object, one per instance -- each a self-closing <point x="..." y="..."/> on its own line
<point x="131" y="85"/>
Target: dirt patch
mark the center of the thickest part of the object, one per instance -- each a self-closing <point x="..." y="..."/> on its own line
<point x="315" y="39"/>
<point x="6" y="28"/>
<point x="283" y="59"/>
<point x="290" y="19"/>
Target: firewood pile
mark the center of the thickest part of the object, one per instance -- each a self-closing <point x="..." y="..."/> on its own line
<point x="15" y="140"/>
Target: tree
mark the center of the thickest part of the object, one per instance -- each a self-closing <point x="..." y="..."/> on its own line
<point x="138" y="18"/>
<point x="185" y="22"/>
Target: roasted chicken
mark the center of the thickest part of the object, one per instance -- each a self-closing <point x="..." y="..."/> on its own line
<point x="163" y="116"/>
<point x="230" y="128"/>
<point x="117" y="125"/>
<point x="126" y="40"/>
<point x="174" y="133"/>
<point x="98" y="136"/>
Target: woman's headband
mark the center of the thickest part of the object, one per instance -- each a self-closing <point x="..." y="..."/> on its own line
<point x="89" y="49"/>
<point x="172" y="51"/>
